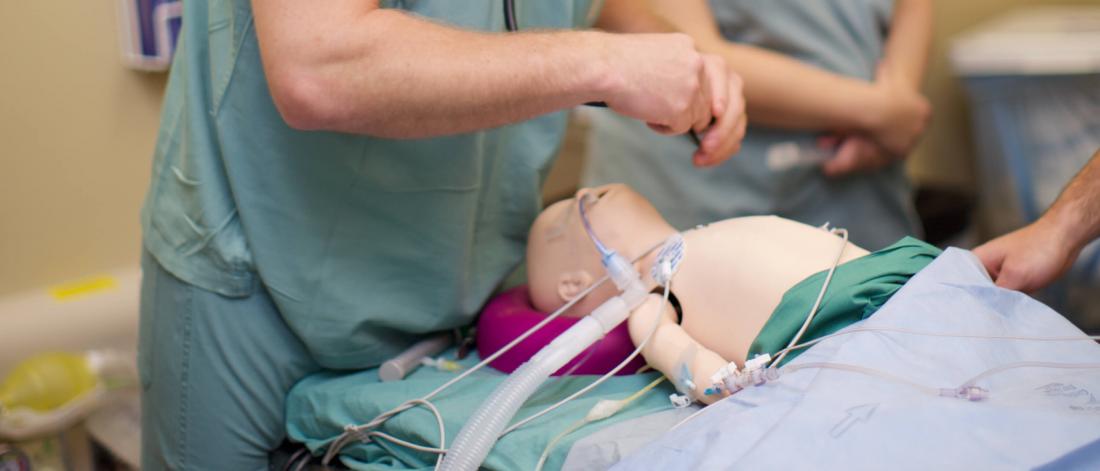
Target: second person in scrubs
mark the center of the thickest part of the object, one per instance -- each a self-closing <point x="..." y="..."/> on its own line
<point x="832" y="90"/>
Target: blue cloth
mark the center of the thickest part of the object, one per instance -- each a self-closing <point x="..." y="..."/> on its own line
<point x="321" y="405"/>
<point x="1084" y="458"/>
<point x="362" y="242"/>
<point x="840" y="419"/>
<point x="842" y="36"/>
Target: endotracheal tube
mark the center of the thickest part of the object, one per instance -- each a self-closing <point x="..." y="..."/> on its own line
<point x="480" y="433"/>
<point x="618" y="267"/>
<point x="482" y="430"/>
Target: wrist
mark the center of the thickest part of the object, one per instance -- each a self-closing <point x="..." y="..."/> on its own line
<point x="600" y="78"/>
<point x="874" y="110"/>
<point x="1066" y="225"/>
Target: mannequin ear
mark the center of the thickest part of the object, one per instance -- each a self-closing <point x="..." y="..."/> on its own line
<point x="572" y="283"/>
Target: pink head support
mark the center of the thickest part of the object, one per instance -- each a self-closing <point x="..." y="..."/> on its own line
<point x="510" y="314"/>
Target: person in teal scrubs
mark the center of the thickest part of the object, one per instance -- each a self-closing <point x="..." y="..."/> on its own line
<point x="334" y="180"/>
<point x="832" y="89"/>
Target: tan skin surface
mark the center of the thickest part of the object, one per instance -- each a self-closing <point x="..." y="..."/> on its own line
<point x="872" y="123"/>
<point x="733" y="274"/>
<point x="1031" y="258"/>
<point x="354" y="67"/>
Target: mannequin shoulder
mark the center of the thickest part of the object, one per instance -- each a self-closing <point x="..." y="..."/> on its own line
<point x="762" y="232"/>
<point x="758" y="225"/>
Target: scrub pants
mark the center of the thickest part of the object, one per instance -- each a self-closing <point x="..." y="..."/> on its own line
<point x="215" y="372"/>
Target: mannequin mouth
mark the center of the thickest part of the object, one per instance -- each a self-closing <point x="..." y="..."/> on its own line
<point x="593" y="195"/>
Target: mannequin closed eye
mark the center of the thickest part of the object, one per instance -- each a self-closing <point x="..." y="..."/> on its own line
<point x="560" y="246"/>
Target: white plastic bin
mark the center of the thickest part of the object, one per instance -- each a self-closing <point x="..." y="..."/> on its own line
<point x="1033" y="78"/>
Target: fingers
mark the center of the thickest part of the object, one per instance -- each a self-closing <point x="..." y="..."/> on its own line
<point x="722" y="87"/>
<point x="829" y="142"/>
<point x="992" y="256"/>
<point x="1007" y="266"/>
<point x="715" y="81"/>
<point x="855" y="154"/>
<point x="701" y="107"/>
<point x="845" y="161"/>
<point x="1014" y="278"/>
<point x="694" y="109"/>
<point x="723" y="139"/>
<point x="1029" y="258"/>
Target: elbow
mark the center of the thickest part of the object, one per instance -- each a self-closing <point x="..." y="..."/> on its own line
<point x="303" y="100"/>
<point x="311" y="102"/>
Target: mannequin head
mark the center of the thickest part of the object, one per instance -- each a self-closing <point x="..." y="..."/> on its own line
<point x="562" y="261"/>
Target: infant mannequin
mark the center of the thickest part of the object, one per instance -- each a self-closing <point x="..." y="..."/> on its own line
<point x="733" y="275"/>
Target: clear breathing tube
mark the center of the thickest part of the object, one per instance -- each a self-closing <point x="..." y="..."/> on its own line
<point x="486" y="425"/>
<point x="602" y="410"/>
<point x="360" y="432"/>
<point x="618" y="267"/>
<point x="604" y="251"/>
<point x="367" y="431"/>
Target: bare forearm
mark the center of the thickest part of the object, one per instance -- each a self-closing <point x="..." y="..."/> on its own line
<point x="389" y="74"/>
<point x="1076" y="212"/>
<point x="783" y="92"/>
<point x="779" y="91"/>
<point x="910" y="39"/>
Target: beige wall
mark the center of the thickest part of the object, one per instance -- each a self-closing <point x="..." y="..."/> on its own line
<point x="946" y="154"/>
<point x="76" y="134"/>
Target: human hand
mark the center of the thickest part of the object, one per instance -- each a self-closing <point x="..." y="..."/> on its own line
<point x="1029" y="258"/>
<point x="723" y="138"/>
<point x="853" y="154"/>
<point x="900" y="115"/>
<point x="662" y="80"/>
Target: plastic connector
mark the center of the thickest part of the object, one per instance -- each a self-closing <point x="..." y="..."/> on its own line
<point x="668" y="260"/>
<point x="725" y="378"/>
<point x="757" y="362"/>
<point x="664" y="271"/>
<point x="724" y="372"/>
<point x="679" y="401"/>
<point x="603" y="409"/>
<point x="441" y="364"/>
<point x="754" y="372"/>
<point x="970" y="393"/>
<point x="620" y="270"/>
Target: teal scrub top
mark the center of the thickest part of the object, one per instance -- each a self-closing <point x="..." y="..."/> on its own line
<point x="843" y="36"/>
<point x="362" y="242"/>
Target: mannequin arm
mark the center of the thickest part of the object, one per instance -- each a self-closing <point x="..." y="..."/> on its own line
<point x="666" y="350"/>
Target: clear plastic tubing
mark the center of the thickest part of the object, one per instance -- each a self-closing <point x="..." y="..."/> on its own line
<point x="480" y="433"/>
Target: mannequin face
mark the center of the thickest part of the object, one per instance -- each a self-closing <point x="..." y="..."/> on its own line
<point x="562" y="261"/>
